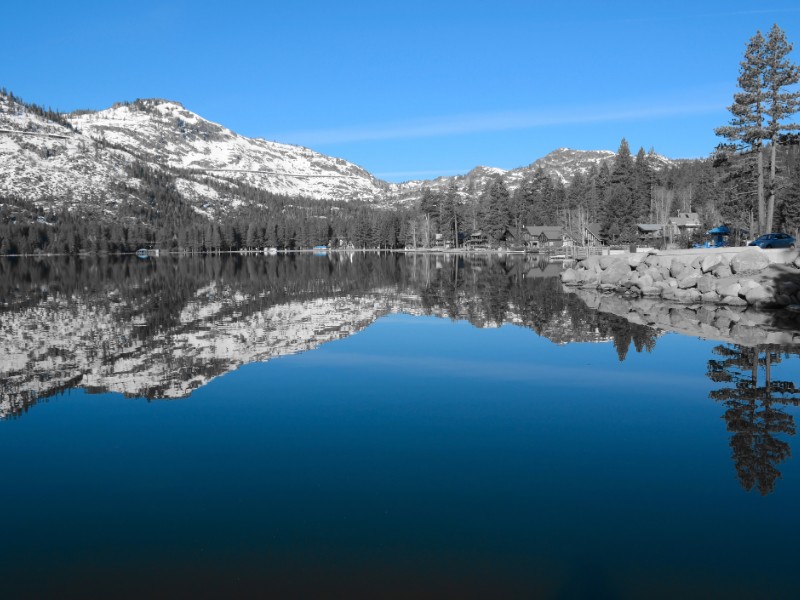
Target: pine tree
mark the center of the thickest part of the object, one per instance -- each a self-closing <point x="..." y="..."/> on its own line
<point x="496" y="215"/>
<point x="619" y="214"/>
<point x="781" y="104"/>
<point x="746" y="127"/>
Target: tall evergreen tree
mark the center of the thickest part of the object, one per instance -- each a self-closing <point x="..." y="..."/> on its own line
<point x="782" y="101"/>
<point x="747" y="128"/>
<point x="495" y="211"/>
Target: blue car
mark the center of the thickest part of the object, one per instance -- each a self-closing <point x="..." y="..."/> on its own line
<point x="774" y="240"/>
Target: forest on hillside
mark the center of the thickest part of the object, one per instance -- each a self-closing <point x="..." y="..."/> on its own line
<point x="750" y="182"/>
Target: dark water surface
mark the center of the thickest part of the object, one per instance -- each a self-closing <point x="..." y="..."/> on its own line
<point x="379" y="426"/>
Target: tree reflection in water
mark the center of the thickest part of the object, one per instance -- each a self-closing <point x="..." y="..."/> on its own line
<point x="754" y="411"/>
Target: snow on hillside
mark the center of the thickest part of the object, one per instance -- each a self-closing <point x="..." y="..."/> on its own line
<point x="166" y="133"/>
<point x="90" y="167"/>
<point x="562" y="164"/>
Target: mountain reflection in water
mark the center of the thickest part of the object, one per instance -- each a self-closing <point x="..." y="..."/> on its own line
<point x="162" y="328"/>
<point x="483" y="454"/>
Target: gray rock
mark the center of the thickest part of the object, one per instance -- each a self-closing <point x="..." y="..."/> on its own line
<point x="654" y="274"/>
<point x="634" y="260"/>
<point x="783" y="299"/>
<point x="615" y="273"/>
<point x="747" y="285"/>
<point x="734" y="301"/>
<point x="751" y="260"/>
<point x="697" y="262"/>
<point x="676" y="268"/>
<point x="731" y="289"/>
<point x="591" y="262"/>
<point x="760" y="296"/>
<point x="645" y="281"/>
<point x="689" y="280"/>
<point x="607" y="287"/>
<point x="711" y="296"/>
<point x="710" y="262"/>
<point x="722" y="271"/>
<point x="607" y="261"/>
<point x="652" y="260"/>
<point x="707" y="283"/>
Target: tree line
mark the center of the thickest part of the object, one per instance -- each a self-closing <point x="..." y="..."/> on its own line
<point x="751" y="182"/>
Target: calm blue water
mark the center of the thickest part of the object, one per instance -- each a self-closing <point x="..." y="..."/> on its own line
<point x="417" y="456"/>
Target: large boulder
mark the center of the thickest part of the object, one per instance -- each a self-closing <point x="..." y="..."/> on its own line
<point x="710" y="262"/>
<point x="760" y="296"/>
<point x="607" y="261"/>
<point x="731" y="289"/>
<point x="747" y="285"/>
<point x="634" y="260"/>
<point x="645" y="281"/>
<point x="677" y="268"/>
<point x="722" y="270"/>
<point x="616" y="272"/>
<point x="749" y="261"/>
<point x="591" y="263"/>
<point x="654" y="274"/>
<point x="689" y="279"/>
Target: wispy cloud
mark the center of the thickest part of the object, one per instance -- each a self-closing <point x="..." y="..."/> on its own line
<point x="463" y="124"/>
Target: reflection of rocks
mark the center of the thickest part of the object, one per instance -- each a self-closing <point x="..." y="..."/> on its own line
<point x="733" y="324"/>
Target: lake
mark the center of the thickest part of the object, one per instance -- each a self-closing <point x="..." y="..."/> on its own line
<point x="380" y="425"/>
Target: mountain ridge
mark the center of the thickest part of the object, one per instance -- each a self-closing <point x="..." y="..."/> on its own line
<point x="84" y="161"/>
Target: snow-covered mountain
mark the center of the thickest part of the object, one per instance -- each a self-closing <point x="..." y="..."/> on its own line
<point x="90" y="165"/>
<point x="563" y="165"/>
<point x="88" y="161"/>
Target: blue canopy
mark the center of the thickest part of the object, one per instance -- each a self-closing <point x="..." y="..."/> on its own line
<point x="720" y="230"/>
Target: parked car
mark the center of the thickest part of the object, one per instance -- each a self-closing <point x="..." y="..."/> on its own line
<point x="774" y="240"/>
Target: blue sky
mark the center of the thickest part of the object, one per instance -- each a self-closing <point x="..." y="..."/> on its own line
<point x="405" y="89"/>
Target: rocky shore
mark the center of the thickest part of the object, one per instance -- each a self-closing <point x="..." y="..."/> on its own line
<point x="734" y="277"/>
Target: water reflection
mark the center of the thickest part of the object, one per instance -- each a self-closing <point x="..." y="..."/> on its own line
<point x="162" y="328"/>
<point x="754" y="411"/>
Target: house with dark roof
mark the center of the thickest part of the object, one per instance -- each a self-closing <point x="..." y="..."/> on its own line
<point x="545" y="236"/>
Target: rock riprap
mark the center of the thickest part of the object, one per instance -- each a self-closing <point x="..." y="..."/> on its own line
<point x="741" y="279"/>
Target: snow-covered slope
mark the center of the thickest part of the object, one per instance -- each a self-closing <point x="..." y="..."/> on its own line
<point x="563" y="165"/>
<point x="166" y="133"/>
<point x="90" y="165"/>
<point x="87" y="161"/>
